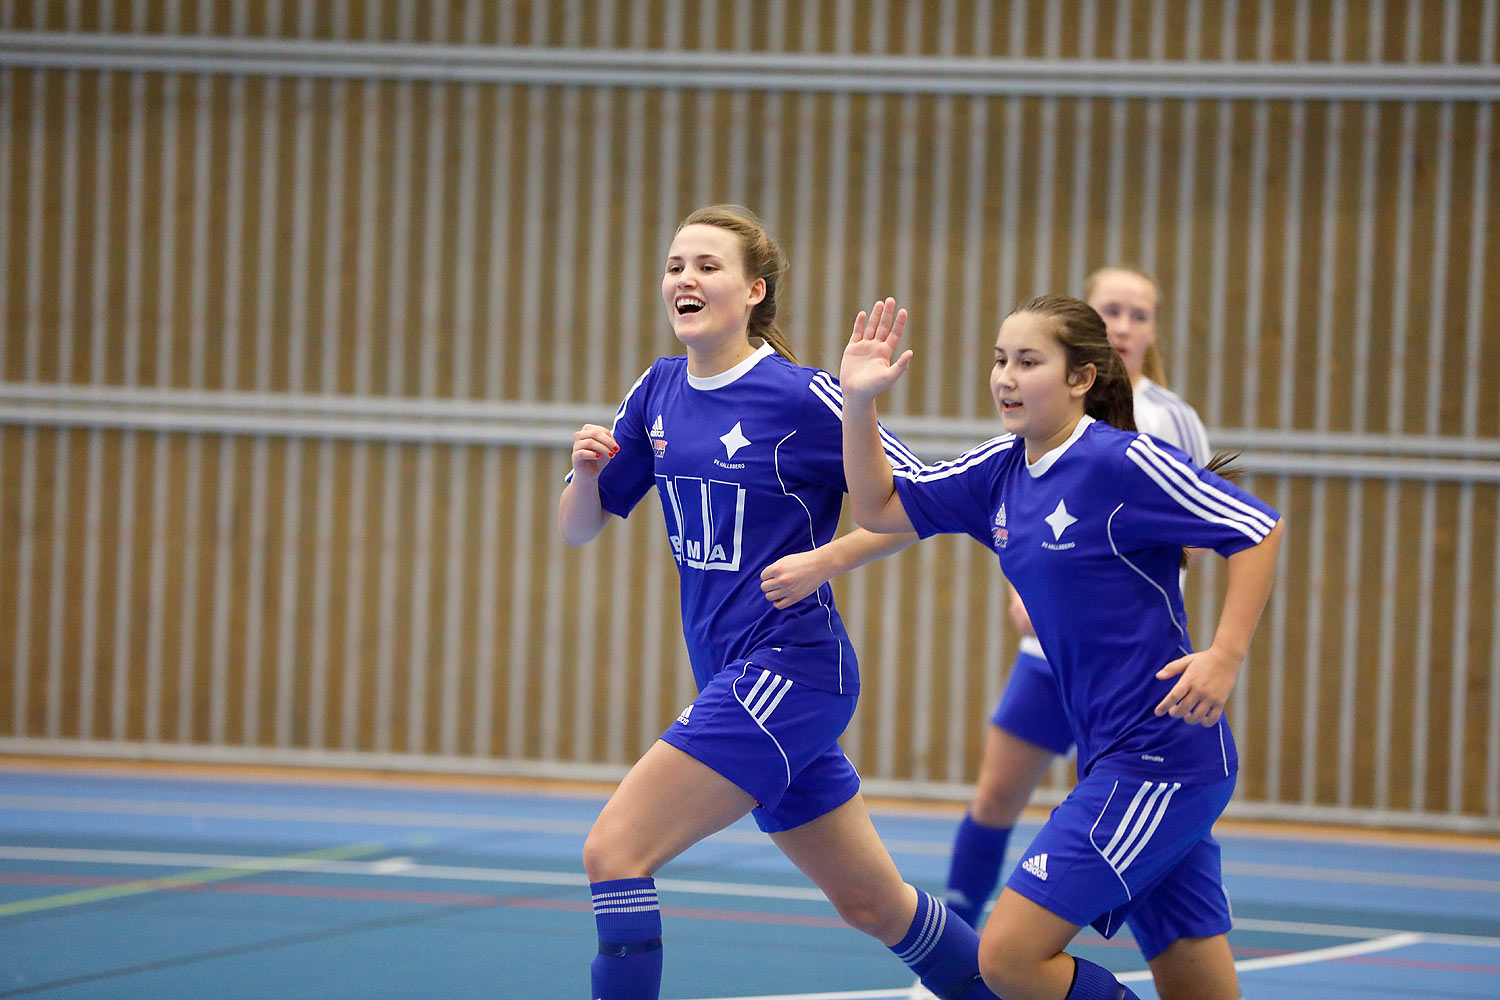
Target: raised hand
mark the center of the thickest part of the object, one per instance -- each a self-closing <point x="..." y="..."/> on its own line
<point x="593" y="447"/>
<point x="867" y="368"/>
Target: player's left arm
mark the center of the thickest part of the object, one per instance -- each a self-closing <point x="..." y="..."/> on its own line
<point x="1205" y="678"/>
<point x="791" y="578"/>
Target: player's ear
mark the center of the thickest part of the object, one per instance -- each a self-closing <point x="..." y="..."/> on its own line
<point x="757" y="292"/>
<point x="1081" y="380"/>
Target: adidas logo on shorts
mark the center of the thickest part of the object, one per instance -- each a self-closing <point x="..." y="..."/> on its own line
<point x="1037" y="865"/>
<point x="685" y="713"/>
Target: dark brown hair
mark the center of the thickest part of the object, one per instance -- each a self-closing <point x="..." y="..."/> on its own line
<point x="1080" y="332"/>
<point x="762" y="257"/>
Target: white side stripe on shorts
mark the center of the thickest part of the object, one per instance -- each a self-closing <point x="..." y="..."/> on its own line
<point x="1140" y="821"/>
<point x="764" y="697"/>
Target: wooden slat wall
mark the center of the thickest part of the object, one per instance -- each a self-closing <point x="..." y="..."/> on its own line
<point x="1324" y="266"/>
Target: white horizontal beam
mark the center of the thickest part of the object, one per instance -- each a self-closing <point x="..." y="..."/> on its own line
<point x="773" y="71"/>
<point x="490" y="422"/>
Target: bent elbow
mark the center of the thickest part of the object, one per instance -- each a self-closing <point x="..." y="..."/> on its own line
<point x="866" y="515"/>
<point x="879" y="519"/>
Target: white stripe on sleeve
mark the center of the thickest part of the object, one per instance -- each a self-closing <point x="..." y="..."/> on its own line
<point x="974" y="456"/>
<point x="1209" y="503"/>
<point x="896" y="452"/>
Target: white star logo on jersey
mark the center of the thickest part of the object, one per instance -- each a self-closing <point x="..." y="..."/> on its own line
<point x="734" y="440"/>
<point x="1060" y="519"/>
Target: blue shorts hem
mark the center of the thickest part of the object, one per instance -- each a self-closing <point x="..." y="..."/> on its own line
<point x="1031" y="707"/>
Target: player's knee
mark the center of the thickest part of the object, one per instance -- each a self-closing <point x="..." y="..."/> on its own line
<point x="1005" y="966"/>
<point x="605" y="858"/>
<point x="999" y="803"/>
<point x="873" y="913"/>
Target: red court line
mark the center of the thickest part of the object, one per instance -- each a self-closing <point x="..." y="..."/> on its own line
<point x="266" y="889"/>
<point x="1422" y="963"/>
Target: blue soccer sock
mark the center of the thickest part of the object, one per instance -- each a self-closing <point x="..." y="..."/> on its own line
<point x="978" y="853"/>
<point x="1094" y="982"/>
<point x="944" y="953"/>
<point x="628" y="966"/>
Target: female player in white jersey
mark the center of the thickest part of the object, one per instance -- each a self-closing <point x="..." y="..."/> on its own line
<point x="744" y="448"/>
<point x="1089" y="518"/>
<point x="1029" y="727"/>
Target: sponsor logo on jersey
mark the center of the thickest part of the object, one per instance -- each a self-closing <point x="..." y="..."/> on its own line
<point x="1037" y="865"/>
<point x="1000" y="531"/>
<point x="705" y="521"/>
<point x="683" y="718"/>
<point x="1059" y="521"/>
<point x="658" y="438"/>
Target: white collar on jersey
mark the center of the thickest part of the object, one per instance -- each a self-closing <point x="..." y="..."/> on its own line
<point x="1041" y="465"/>
<point x="722" y="379"/>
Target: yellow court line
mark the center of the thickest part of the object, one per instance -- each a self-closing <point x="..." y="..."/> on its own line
<point x="289" y="862"/>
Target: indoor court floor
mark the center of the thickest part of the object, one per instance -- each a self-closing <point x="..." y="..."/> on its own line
<point x="126" y="882"/>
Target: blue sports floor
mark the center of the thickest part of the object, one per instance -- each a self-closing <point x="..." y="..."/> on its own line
<point x="124" y="883"/>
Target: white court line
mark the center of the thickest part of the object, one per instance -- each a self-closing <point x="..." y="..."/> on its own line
<point x="522" y="824"/>
<point x="1328" y="954"/>
<point x="1248" y="965"/>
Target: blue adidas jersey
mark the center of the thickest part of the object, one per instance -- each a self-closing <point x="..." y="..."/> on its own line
<point x="749" y="468"/>
<point x="1091" y="537"/>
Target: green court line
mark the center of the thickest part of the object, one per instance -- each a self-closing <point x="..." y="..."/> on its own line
<point x="289" y="862"/>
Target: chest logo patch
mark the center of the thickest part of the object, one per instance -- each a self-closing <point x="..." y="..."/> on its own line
<point x="1000" y="532"/>
<point x="1060" y="520"/>
<point x="734" y="440"/>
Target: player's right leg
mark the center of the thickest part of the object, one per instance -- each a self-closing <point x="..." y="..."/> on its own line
<point x="841" y="852"/>
<point x="642" y="827"/>
<point x="1196" y="967"/>
<point x="1009" y="772"/>
<point x="1028" y="729"/>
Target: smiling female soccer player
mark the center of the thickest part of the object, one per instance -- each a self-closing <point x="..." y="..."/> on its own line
<point x="744" y="447"/>
<point x="1089" y="519"/>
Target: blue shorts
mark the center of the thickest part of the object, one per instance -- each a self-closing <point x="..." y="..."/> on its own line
<point x="775" y="739"/>
<point x="1124" y="850"/>
<point x="1031" y="706"/>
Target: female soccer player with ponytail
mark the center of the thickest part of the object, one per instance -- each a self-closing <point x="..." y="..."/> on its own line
<point x="1089" y="519"/>
<point x="1029" y="727"/>
<point x="743" y="446"/>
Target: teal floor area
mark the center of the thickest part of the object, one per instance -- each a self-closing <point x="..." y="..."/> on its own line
<point x="132" y="883"/>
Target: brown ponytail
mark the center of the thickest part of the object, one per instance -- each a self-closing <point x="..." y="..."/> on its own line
<point x="1080" y="330"/>
<point x="763" y="258"/>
